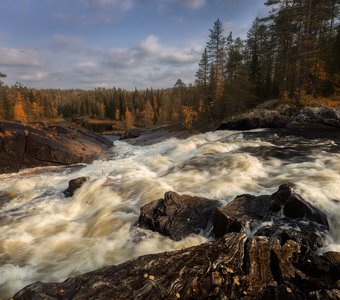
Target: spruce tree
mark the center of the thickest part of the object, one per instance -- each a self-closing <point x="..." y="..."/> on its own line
<point x="202" y="75"/>
<point x="216" y="57"/>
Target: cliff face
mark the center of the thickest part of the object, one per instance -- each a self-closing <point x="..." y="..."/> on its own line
<point x="24" y="146"/>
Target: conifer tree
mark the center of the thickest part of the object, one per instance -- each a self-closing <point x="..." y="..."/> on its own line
<point x="216" y="56"/>
<point x="202" y="75"/>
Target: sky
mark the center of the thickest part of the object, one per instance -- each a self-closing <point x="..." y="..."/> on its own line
<point x="104" y="43"/>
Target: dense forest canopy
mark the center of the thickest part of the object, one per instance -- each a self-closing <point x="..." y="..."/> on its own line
<point x="292" y="52"/>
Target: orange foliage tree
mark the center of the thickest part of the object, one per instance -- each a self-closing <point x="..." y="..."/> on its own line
<point x="18" y="111"/>
<point x="36" y="110"/>
<point x="189" y="116"/>
<point x="148" y="114"/>
<point x="129" y="119"/>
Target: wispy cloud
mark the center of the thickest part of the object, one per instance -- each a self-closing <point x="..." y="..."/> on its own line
<point x="31" y="77"/>
<point x="195" y="4"/>
<point x="19" y="57"/>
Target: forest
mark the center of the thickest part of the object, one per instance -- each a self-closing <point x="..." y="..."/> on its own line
<point x="292" y="53"/>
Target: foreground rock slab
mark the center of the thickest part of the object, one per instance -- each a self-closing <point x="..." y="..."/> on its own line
<point x="235" y="267"/>
<point x="24" y="146"/>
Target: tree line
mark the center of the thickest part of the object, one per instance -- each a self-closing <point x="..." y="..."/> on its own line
<point x="293" y="52"/>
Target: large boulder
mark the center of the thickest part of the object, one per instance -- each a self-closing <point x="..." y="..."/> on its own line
<point x="285" y="208"/>
<point x="177" y="216"/>
<point x="234" y="267"/>
<point x="25" y="146"/>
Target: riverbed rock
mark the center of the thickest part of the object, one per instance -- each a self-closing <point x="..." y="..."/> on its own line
<point x="282" y="114"/>
<point x="74" y="185"/>
<point x="153" y="135"/>
<point x="315" y="117"/>
<point x="233" y="267"/>
<point x="25" y="146"/>
<point x="177" y="216"/>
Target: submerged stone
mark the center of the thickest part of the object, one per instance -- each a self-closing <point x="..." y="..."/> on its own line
<point x="74" y="185"/>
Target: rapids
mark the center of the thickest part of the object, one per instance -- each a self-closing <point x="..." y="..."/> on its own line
<point x="45" y="236"/>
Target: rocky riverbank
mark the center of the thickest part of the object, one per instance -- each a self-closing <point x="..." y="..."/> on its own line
<point x="262" y="247"/>
<point x="281" y="114"/>
<point x="26" y="146"/>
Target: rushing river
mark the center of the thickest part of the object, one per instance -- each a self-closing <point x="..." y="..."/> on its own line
<point x="45" y="236"/>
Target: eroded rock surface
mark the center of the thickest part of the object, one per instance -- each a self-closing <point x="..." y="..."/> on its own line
<point x="24" y="146"/>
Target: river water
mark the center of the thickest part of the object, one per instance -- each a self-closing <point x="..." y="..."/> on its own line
<point x="45" y="236"/>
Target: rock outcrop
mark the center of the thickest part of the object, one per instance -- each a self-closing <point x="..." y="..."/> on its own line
<point x="285" y="116"/>
<point x="24" y="146"/>
<point x="267" y="249"/>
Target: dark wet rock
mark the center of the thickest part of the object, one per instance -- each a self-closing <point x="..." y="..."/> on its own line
<point x="294" y="206"/>
<point x="273" y="114"/>
<point x="131" y="134"/>
<point x="237" y="215"/>
<point x="24" y="146"/>
<point x="285" y="206"/>
<point x="177" y="216"/>
<point x="233" y="267"/>
<point x="74" y="185"/>
<point x="153" y="135"/>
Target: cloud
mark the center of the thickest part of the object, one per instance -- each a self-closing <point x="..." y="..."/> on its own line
<point x="172" y="55"/>
<point x="194" y="4"/>
<point x="37" y="76"/>
<point x="237" y="29"/>
<point x="19" y="57"/>
<point x="70" y="44"/>
<point x="93" y="12"/>
<point x="123" y="6"/>
<point x="72" y="63"/>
